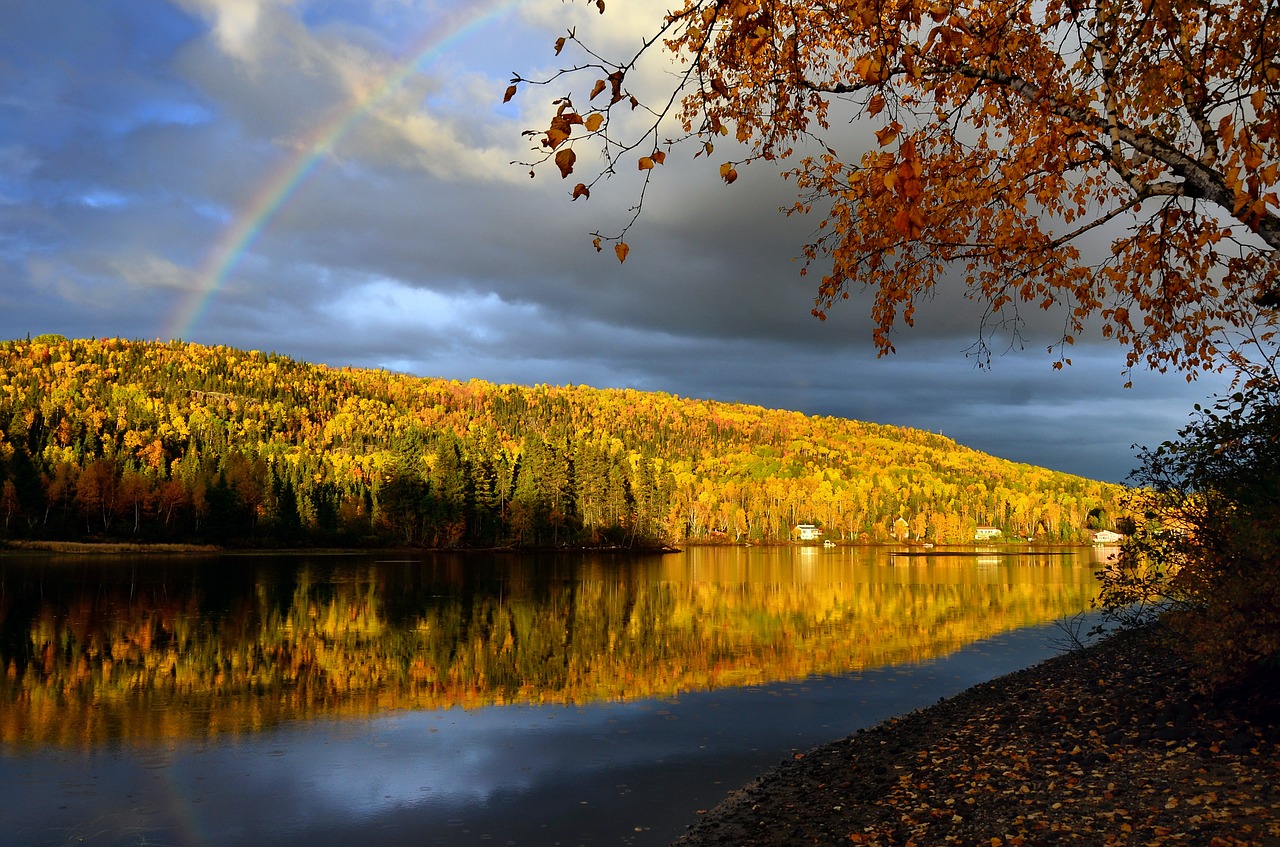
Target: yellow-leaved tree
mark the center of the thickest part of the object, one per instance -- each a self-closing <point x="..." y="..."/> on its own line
<point x="1015" y="142"/>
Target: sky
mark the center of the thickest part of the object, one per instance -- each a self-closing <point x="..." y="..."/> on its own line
<point x="335" y="180"/>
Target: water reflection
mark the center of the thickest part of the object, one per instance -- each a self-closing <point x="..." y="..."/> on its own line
<point x="130" y="649"/>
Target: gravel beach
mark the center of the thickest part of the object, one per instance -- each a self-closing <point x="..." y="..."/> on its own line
<point x="1107" y="745"/>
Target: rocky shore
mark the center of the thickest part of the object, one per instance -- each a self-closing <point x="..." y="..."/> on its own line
<point x="1102" y="746"/>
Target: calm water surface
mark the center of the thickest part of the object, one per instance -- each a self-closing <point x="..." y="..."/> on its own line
<point x="326" y="700"/>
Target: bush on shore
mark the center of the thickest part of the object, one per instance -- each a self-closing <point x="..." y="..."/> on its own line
<point x="1204" y="554"/>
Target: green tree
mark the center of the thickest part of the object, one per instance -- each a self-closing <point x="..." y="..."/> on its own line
<point x="9" y="503"/>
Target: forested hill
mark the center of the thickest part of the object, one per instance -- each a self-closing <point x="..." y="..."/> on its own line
<point x="179" y="442"/>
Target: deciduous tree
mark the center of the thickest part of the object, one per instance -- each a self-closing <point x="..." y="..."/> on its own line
<point x="1115" y="159"/>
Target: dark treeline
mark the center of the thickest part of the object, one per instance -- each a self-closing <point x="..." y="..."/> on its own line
<point x="111" y="439"/>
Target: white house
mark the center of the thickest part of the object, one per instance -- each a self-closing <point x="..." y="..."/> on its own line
<point x="1107" y="538"/>
<point x="808" y="532"/>
<point x="987" y="533"/>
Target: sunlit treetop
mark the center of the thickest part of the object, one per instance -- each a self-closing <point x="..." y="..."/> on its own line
<point x="1012" y="142"/>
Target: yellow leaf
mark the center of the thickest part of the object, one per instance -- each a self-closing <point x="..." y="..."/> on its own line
<point x="622" y="250"/>
<point x="594" y="121"/>
<point x="595" y="242"/>
<point x="559" y="45"/>
<point x="597" y="88"/>
<point x="646" y="163"/>
<point x="870" y="68"/>
<point x="728" y="172"/>
<point x="658" y="157"/>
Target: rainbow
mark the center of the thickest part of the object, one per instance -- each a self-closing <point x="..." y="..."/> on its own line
<point x="244" y="229"/>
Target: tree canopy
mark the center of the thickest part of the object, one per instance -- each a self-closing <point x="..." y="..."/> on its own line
<point x="1115" y="159"/>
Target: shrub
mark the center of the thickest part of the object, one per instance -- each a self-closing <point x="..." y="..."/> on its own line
<point x="1204" y="557"/>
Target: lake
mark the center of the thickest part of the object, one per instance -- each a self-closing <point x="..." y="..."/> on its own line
<point x="440" y="699"/>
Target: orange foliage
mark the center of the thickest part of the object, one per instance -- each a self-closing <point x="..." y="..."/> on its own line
<point x="1006" y="131"/>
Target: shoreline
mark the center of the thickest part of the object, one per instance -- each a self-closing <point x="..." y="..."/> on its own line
<point x="115" y="547"/>
<point x="1105" y="745"/>
<point x="105" y="547"/>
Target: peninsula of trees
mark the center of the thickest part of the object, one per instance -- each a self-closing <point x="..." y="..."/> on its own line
<point x="114" y="439"/>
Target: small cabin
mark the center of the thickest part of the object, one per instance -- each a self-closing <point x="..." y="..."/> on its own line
<point x="808" y="532"/>
<point x="987" y="533"/>
<point x="1107" y="538"/>
<point x="901" y="530"/>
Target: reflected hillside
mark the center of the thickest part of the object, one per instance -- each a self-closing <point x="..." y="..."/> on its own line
<point x="188" y="648"/>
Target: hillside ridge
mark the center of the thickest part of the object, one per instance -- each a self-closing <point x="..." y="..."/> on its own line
<point x="166" y="441"/>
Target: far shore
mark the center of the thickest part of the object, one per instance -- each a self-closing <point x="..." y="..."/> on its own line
<point x="98" y="547"/>
<point x="77" y="548"/>
<point x="114" y="547"/>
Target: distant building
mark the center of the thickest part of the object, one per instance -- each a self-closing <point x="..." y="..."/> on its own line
<point x="1107" y="538"/>
<point x="987" y="533"/>
<point x="808" y="532"/>
<point x="900" y="529"/>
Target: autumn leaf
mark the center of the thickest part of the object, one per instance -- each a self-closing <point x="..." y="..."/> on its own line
<point x="621" y="250"/>
<point x="909" y="222"/>
<point x="646" y="163"/>
<point x="559" y="45"/>
<point x="558" y="133"/>
<point x="597" y="88"/>
<point x="593" y="121"/>
<point x="511" y="92"/>
<point x="615" y="81"/>
<point x="581" y="190"/>
<point x="728" y="173"/>
<point x="564" y="161"/>
<point x="888" y="134"/>
<point x="870" y="68"/>
<point x="658" y="157"/>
